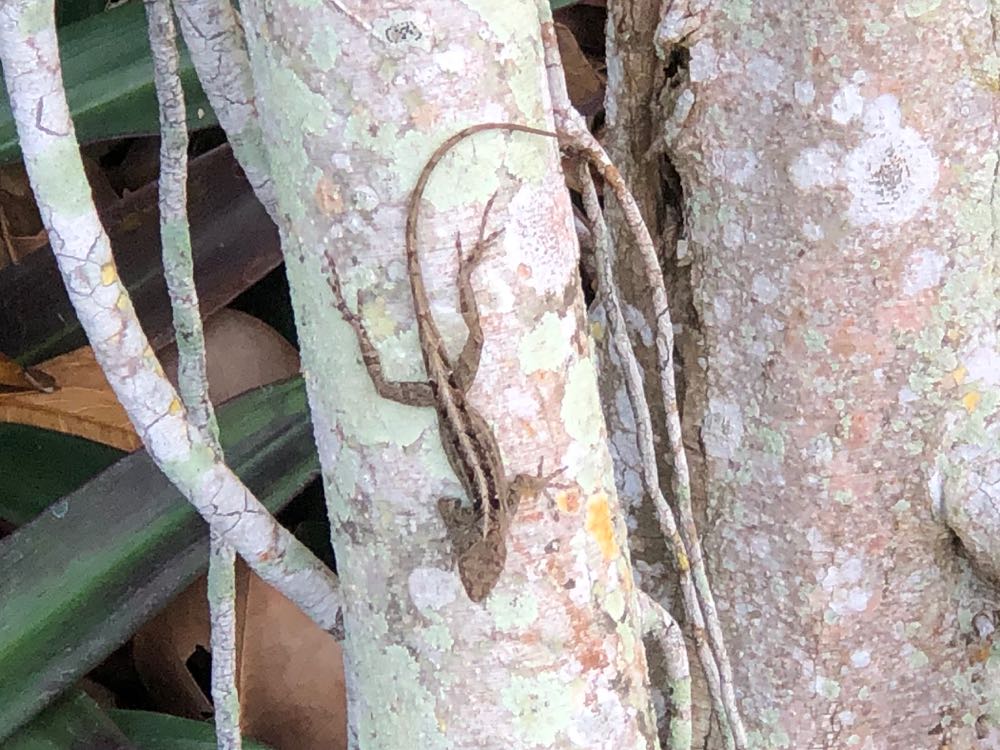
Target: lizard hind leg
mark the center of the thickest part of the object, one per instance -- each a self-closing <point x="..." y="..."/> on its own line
<point x="526" y="485"/>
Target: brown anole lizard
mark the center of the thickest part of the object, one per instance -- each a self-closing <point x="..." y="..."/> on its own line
<point x="478" y="533"/>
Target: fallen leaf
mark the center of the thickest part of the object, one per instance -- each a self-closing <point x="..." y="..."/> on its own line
<point x="84" y="405"/>
<point x="290" y="671"/>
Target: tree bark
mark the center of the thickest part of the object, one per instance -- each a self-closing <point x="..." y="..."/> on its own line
<point x="352" y="105"/>
<point x="839" y="169"/>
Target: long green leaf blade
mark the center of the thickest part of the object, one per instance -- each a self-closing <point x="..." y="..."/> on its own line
<point x="81" y="578"/>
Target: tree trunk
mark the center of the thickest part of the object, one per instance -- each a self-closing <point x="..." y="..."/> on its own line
<point x="839" y="172"/>
<point x="353" y="104"/>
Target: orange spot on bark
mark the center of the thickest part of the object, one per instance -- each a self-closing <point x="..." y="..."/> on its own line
<point x="568" y="501"/>
<point x="861" y="429"/>
<point x="971" y="400"/>
<point x="599" y="525"/>
<point x="108" y="274"/>
<point x="328" y="197"/>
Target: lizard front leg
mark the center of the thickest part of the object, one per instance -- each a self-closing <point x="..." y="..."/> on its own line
<point x="411" y="393"/>
<point x="467" y="366"/>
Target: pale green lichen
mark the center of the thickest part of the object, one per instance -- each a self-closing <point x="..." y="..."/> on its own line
<point x="188" y="472"/>
<point x="828" y="687"/>
<point x="324" y="48"/>
<point x="438" y="636"/>
<point x="738" y="11"/>
<point x="844" y="497"/>
<point x="627" y="639"/>
<point x="412" y="721"/>
<point x="814" y="340"/>
<point x="581" y="409"/>
<point x="918" y="8"/>
<point x="513" y="25"/>
<point x="545" y="347"/>
<point x="513" y="611"/>
<point x="875" y="29"/>
<point x="773" y="441"/>
<point x="542" y="706"/>
<point x="341" y="484"/>
<point x="58" y="175"/>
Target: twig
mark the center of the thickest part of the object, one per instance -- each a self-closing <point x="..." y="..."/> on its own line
<point x="30" y="57"/>
<point x="192" y="369"/>
<point x="644" y="437"/>
<point x="656" y="621"/>
<point x="573" y="134"/>
<point x="216" y="41"/>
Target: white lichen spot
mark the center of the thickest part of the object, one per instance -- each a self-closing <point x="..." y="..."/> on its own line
<point x="764" y="289"/>
<point x="881" y="115"/>
<point x="847" y="572"/>
<point x="855" y="600"/>
<point x="982" y="364"/>
<point x="847" y="104"/>
<point x="861" y="658"/>
<point x="812" y="231"/>
<point x="722" y="429"/>
<point x="818" y="166"/>
<point x="432" y="588"/>
<point x="805" y="92"/>
<point x="821" y="447"/>
<point x="923" y="271"/>
<point x="733" y="235"/>
<point x="766" y="74"/>
<point x="891" y="174"/>
<point x="364" y="198"/>
<point x="735" y="165"/>
<point x="453" y="59"/>
<point x="704" y="62"/>
<point x="722" y="309"/>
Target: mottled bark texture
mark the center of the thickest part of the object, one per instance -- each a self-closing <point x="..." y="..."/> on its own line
<point x="352" y="105"/>
<point x="839" y="170"/>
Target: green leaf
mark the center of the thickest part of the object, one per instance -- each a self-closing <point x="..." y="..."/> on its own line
<point x="153" y="731"/>
<point x="77" y="581"/>
<point x="27" y="455"/>
<point x="108" y="74"/>
<point x="73" y="722"/>
<point x="71" y="11"/>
